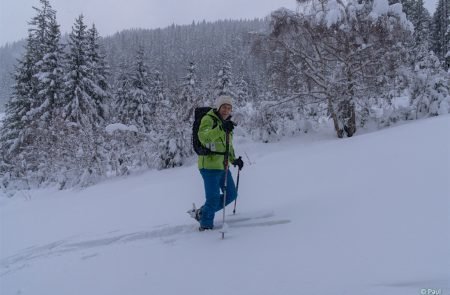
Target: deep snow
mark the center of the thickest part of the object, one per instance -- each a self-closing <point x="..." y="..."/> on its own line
<point x="363" y="215"/>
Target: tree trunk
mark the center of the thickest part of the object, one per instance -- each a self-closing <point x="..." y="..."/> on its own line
<point x="347" y="116"/>
<point x="337" y="126"/>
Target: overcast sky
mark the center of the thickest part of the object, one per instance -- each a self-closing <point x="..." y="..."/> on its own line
<point x="111" y="16"/>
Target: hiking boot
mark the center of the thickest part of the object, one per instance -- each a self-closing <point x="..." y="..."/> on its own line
<point x="201" y="228"/>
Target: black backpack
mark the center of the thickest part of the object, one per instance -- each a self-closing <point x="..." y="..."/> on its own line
<point x="199" y="148"/>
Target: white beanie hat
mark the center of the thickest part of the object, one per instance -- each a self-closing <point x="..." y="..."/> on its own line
<point x="223" y="99"/>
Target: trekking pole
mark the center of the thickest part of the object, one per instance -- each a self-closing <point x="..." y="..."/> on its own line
<point x="237" y="189"/>
<point x="225" y="162"/>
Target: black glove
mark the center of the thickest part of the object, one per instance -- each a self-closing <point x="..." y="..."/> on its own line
<point x="228" y="126"/>
<point x="238" y="162"/>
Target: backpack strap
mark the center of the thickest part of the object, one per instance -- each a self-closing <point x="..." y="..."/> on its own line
<point x="215" y="124"/>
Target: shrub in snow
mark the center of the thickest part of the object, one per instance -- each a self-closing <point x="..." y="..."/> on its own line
<point x="430" y="89"/>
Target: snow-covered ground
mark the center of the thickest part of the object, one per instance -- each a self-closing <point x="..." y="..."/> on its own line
<point x="364" y="215"/>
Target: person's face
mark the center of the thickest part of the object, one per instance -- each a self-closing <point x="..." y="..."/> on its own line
<point x="225" y="111"/>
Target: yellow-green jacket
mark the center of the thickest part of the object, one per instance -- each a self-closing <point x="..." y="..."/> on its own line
<point x="212" y="136"/>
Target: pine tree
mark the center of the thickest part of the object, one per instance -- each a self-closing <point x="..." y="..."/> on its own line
<point x="83" y="111"/>
<point x="430" y="91"/>
<point x="27" y="134"/>
<point x="80" y="106"/>
<point x="15" y="124"/>
<point x="47" y="107"/>
<point x="224" y="81"/>
<point x="242" y="92"/>
<point x="156" y="87"/>
<point x="48" y="98"/>
<point x="175" y="140"/>
<point x="447" y="37"/>
<point x="409" y="7"/>
<point x="121" y="90"/>
<point x="99" y="72"/>
<point x="189" y="97"/>
<point x="421" y="20"/>
<point x="440" y="37"/>
<point x="140" y="104"/>
<point x="134" y="104"/>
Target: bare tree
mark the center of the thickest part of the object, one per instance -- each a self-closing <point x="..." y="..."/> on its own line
<point x="340" y="54"/>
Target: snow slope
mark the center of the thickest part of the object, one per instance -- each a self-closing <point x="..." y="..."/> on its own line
<point x="364" y="215"/>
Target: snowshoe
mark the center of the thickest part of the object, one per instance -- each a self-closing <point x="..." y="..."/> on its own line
<point x="195" y="213"/>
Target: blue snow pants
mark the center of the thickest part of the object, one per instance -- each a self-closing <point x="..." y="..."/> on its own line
<point x="214" y="186"/>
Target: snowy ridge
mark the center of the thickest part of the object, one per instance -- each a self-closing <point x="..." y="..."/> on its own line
<point x="364" y="215"/>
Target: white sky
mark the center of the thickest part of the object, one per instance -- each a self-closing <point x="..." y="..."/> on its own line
<point x="111" y="16"/>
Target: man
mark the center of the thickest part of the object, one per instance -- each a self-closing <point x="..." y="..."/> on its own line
<point x="212" y="132"/>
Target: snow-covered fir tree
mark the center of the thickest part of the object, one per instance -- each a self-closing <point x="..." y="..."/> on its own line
<point x="48" y="100"/>
<point x="83" y="113"/>
<point x="430" y="89"/>
<point x="139" y="99"/>
<point x="421" y="21"/>
<point x="20" y="103"/>
<point x="156" y="87"/>
<point x="440" y="37"/>
<point x="135" y="104"/>
<point x="47" y="109"/>
<point x="99" y="73"/>
<point x="224" y="80"/>
<point x="13" y="132"/>
<point x="120" y="89"/>
<point x="420" y="18"/>
<point x="80" y="106"/>
<point x="28" y="134"/>
<point x="243" y="95"/>
<point x="447" y="37"/>
<point x="175" y="141"/>
<point x="189" y="97"/>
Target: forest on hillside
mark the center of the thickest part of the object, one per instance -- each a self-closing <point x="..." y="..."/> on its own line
<point x="82" y="108"/>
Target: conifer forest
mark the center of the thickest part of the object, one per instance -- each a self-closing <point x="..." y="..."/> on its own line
<point x="80" y="108"/>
